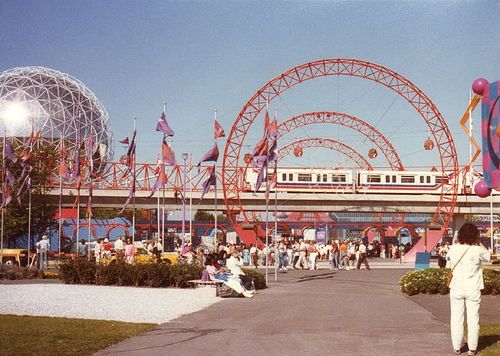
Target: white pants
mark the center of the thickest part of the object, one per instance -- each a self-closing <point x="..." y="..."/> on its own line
<point x="302" y="259"/>
<point x="312" y="260"/>
<point x="459" y="301"/>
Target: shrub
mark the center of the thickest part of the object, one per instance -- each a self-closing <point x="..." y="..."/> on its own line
<point x="16" y="272"/>
<point x="119" y="273"/>
<point x="433" y="281"/>
<point x="259" y="279"/>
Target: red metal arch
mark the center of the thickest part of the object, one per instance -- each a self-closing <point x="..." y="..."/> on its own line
<point x="345" y="67"/>
<point x="338" y="118"/>
<point x="332" y="144"/>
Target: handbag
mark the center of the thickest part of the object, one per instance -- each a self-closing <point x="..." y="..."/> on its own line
<point x="450" y="272"/>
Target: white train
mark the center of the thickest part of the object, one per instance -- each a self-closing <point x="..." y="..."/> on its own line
<point x="350" y="181"/>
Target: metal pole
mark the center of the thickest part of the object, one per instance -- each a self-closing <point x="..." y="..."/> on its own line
<point x="267" y="233"/>
<point x="471" y="166"/>
<point x="158" y="217"/>
<point x="60" y="213"/>
<point x="215" y="198"/>
<point x="276" y="218"/>
<point x="184" y="157"/>
<point x="492" y="240"/>
<point x="3" y="208"/>
<point x="163" y="218"/>
<point x="29" y="223"/>
<point x="190" y="198"/>
<point x="133" y="187"/>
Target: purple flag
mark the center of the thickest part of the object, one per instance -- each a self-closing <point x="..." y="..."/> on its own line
<point x="9" y="153"/>
<point x="160" y="181"/>
<point x="9" y="178"/>
<point x="260" y="177"/>
<point x="211" y="180"/>
<point x="162" y="126"/>
<point x="167" y="155"/>
<point x="26" y="184"/>
<point x="211" y="156"/>
<point x="129" y="198"/>
<point x="6" y="196"/>
<point x="125" y="141"/>
<point x="272" y="154"/>
<point x="130" y="162"/>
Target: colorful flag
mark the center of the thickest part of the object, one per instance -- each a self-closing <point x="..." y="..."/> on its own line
<point x="125" y="141"/>
<point x="160" y="181"/>
<point x="129" y="198"/>
<point x="162" y="126"/>
<point x="63" y="168"/>
<point x="167" y="155"/>
<point x="130" y="161"/>
<point x="218" y="131"/>
<point x="260" y="177"/>
<point x="266" y="124"/>
<point x="26" y="184"/>
<point x="273" y="129"/>
<point x="211" y="180"/>
<point x="9" y="178"/>
<point x="272" y="154"/>
<point x="270" y="184"/>
<point x="6" y="196"/>
<point x="211" y="156"/>
<point x="9" y="152"/>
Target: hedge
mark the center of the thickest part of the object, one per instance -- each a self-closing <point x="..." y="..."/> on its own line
<point x="433" y="281"/>
<point x="119" y="273"/>
<point x="16" y="272"/>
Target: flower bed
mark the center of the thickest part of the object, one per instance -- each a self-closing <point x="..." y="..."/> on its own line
<point x="433" y="281"/>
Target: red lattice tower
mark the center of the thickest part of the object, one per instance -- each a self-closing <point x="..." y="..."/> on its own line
<point x="352" y="68"/>
<point x="329" y="143"/>
<point x="338" y="118"/>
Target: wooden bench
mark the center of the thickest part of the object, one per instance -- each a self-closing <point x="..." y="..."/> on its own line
<point x="198" y="282"/>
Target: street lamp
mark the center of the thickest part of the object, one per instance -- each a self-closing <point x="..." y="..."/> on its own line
<point x="184" y="157"/>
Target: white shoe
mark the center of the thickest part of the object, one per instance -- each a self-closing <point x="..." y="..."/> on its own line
<point x="248" y="294"/>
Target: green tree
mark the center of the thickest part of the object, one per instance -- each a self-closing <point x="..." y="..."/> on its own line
<point x="44" y="161"/>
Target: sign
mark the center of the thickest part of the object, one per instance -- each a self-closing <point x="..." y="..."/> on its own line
<point x="422" y="260"/>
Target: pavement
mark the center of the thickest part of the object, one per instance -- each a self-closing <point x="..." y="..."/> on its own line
<point x="312" y="312"/>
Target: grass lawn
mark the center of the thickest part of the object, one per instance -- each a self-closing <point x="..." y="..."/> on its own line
<point x="34" y="335"/>
<point x="489" y="340"/>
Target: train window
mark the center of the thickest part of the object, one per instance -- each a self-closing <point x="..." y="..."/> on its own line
<point x="440" y="180"/>
<point x="387" y="179"/>
<point x="302" y="177"/>
<point x="290" y="176"/>
<point x="407" y="179"/>
<point x="338" y="178"/>
<point x="428" y="179"/>
<point x="325" y="178"/>
<point x="371" y="178"/>
<point x="394" y="179"/>
<point x="284" y="177"/>
<point x="422" y="179"/>
<point x="318" y="177"/>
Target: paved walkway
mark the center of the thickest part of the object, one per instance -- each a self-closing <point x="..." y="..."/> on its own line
<point x="305" y="313"/>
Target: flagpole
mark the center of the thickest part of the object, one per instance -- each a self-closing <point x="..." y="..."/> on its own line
<point x="267" y="206"/>
<point x="60" y="210"/>
<point x="215" y="196"/>
<point x="133" y="185"/>
<point x="163" y="188"/>
<point x="3" y="183"/>
<point x="29" y="223"/>
<point x="190" y="198"/>
<point x="276" y="253"/>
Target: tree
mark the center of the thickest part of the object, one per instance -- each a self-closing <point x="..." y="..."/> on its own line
<point x="44" y="161"/>
<point x="202" y="215"/>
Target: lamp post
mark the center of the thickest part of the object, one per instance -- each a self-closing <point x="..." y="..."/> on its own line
<point x="184" y="158"/>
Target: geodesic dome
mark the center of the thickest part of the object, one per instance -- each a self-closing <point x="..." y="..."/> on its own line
<point x="57" y="105"/>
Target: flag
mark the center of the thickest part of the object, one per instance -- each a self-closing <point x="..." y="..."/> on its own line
<point x="9" y="152"/>
<point x="211" y="180"/>
<point x="9" y="178"/>
<point x="129" y="198"/>
<point x="211" y="156"/>
<point x="26" y="184"/>
<point x="162" y="126"/>
<point x="273" y="129"/>
<point x="28" y="147"/>
<point x="6" y="196"/>
<point x="218" y="131"/>
<point x="260" y="177"/>
<point x="125" y="141"/>
<point x="160" y="181"/>
<point x="272" y="154"/>
<point x="266" y="124"/>
<point x="63" y="168"/>
<point x="130" y="158"/>
<point x="167" y="155"/>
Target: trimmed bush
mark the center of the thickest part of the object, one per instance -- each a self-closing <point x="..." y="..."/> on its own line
<point x="433" y="281"/>
<point x="259" y="279"/>
<point x="16" y="272"/>
<point x="82" y="271"/>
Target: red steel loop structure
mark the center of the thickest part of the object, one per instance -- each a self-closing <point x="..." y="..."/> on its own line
<point x="338" y="118"/>
<point x="332" y="144"/>
<point x="352" y="68"/>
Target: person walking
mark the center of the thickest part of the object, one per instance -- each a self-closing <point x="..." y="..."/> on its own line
<point x="42" y="247"/>
<point x="129" y="252"/>
<point x="362" y="257"/>
<point x="302" y="261"/>
<point x="465" y="288"/>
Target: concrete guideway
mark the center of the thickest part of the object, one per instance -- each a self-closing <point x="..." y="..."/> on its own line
<point x="305" y="313"/>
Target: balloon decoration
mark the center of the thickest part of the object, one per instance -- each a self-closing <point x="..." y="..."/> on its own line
<point x="481" y="189"/>
<point x="372" y="153"/>
<point x="298" y="151"/>
<point x="428" y="144"/>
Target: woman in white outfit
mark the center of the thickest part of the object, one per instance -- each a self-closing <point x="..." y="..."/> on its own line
<point x="465" y="289"/>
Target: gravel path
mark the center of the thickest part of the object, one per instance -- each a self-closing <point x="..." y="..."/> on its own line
<point x="146" y="305"/>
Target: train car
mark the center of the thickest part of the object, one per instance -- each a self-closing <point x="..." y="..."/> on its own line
<point x="400" y="182"/>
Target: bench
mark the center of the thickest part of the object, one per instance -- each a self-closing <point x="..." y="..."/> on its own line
<point x="198" y="282"/>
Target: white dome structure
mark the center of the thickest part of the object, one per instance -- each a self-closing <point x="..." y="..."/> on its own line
<point x="57" y="105"/>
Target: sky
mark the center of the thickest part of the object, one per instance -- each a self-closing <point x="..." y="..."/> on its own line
<point x="202" y="56"/>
